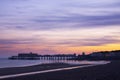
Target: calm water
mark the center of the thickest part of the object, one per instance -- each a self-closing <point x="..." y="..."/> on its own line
<point x="18" y="63"/>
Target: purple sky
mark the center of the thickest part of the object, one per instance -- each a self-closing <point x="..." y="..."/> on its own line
<point x="47" y="26"/>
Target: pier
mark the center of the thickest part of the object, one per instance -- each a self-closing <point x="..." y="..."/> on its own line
<point x="34" y="56"/>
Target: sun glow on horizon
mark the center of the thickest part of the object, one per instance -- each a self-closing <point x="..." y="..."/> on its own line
<point x="57" y="27"/>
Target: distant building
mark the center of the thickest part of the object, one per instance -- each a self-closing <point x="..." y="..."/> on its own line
<point x="106" y="55"/>
<point x="26" y="56"/>
<point x="83" y="53"/>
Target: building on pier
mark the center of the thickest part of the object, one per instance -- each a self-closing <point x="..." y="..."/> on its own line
<point x="35" y="56"/>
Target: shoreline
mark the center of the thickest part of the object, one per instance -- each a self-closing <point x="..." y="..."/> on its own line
<point x="32" y="68"/>
<point x="44" y="71"/>
<point x="50" y="68"/>
<point x="27" y="63"/>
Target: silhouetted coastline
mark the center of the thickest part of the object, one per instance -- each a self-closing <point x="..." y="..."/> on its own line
<point x="102" y="55"/>
<point x="108" y="71"/>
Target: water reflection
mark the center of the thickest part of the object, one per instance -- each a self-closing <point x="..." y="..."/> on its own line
<point x="20" y="63"/>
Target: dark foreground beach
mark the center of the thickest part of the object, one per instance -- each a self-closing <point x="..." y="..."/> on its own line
<point x="109" y="71"/>
<point x="27" y="69"/>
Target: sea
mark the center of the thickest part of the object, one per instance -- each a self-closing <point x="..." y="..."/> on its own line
<point x="6" y="63"/>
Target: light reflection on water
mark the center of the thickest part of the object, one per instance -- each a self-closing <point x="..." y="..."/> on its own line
<point x="19" y="63"/>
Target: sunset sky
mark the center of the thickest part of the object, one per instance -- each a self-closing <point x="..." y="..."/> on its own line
<point x="59" y="26"/>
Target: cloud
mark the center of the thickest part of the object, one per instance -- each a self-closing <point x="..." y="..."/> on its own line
<point x="5" y="46"/>
<point x="62" y="42"/>
<point x="88" y="41"/>
<point x="55" y="14"/>
<point x="82" y="19"/>
<point x="55" y="23"/>
<point x="19" y="41"/>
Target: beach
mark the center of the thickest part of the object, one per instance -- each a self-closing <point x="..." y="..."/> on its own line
<point x="108" y="71"/>
<point x="34" y="68"/>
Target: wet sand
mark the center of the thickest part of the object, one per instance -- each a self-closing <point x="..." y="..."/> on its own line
<point x="109" y="71"/>
<point x="41" y="67"/>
